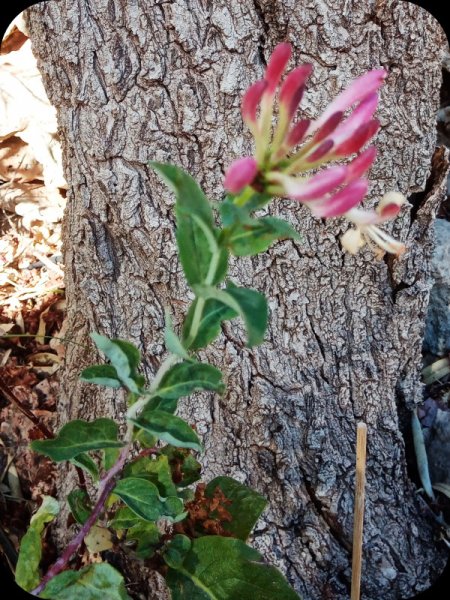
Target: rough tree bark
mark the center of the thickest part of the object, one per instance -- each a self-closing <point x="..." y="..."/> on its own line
<point x="139" y="80"/>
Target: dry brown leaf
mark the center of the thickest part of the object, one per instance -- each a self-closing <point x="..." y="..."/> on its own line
<point x="17" y="161"/>
<point x="26" y="112"/>
<point x="43" y="358"/>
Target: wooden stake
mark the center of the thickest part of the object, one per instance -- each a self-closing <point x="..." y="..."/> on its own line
<point x="358" y="520"/>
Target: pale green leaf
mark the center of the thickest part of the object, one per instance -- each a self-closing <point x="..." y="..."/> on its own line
<point x="95" y="582"/>
<point x="79" y="436"/>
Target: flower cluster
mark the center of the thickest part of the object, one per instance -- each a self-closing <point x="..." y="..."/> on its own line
<point x="284" y="153"/>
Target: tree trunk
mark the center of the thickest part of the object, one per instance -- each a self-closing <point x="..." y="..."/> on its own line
<point x="140" y="80"/>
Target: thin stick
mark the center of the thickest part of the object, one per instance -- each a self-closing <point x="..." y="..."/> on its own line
<point x="358" y="521"/>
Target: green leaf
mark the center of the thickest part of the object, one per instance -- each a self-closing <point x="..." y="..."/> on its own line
<point x="80" y="505"/>
<point x="214" y="312"/>
<point x="79" y="436"/>
<point x="147" y="536"/>
<point x="258" y="235"/>
<point x="101" y="375"/>
<point x="172" y="341"/>
<point x="184" y="467"/>
<point x="110" y="456"/>
<point x="169" y="428"/>
<point x="125" y="518"/>
<point x="166" y="404"/>
<point x="188" y="192"/>
<point x="27" y="569"/>
<point x="176" y="551"/>
<point x="143" y="498"/>
<point x="248" y="303"/>
<point x="156" y="470"/>
<point x="196" y="235"/>
<point x="85" y="462"/>
<point x="245" y="508"/>
<point x="257" y="201"/>
<point x="232" y="215"/>
<point x="185" y="377"/>
<point x="94" y="582"/>
<point x="125" y="358"/>
<point x="221" y="568"/>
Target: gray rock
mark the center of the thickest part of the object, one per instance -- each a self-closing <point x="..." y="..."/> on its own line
<point x="437" y="329"/>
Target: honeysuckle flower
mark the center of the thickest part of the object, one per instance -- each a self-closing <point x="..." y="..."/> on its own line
<point x="289" y="153"/>
<point x="366" y="230"/>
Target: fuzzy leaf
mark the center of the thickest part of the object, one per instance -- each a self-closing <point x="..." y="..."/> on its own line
<point x="156" y="470"/>
<point x="27" y="569"/>
<point x="80" y="505"/>
<point x="245" y="508"/>
<point x="214" y="312"/>
<point x="85" y="462"/>
<point x="79" y="436"/>
<point x="185" y="377"/>
<point x="147" y="537"/>
<point x="105" y="375"/>
<point x="169" y="428"/>
<point x="221" y="568"/>
<point x="124" y="357"/>
<point x="125" y="518"/>
<point x="256" y="237"/>
<point x="195" y="224"/>
<point x="166" y="404"/>
<point x="143" y="498"/>
<point x="94" y="582"/>
<point x="248" y="303"/>
<point x="172" y="341"/>
<point x="110" y="456"/>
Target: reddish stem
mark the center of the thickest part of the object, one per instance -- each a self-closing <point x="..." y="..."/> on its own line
<point x="106" y="486"/>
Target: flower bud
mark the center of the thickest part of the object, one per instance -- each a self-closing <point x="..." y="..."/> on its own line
<point x="239" y="174"/>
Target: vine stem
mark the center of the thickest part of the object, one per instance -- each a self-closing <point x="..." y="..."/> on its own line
<point x="106" y="486"/>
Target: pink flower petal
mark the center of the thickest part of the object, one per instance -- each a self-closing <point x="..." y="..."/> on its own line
<point x="251" y="100"/>
<point x="276" y="66"/>
<point x="320" y="152"/>
<point x="292" y="89"/>
<point x="328" y="127"/>
<point x="239" y="174"/>
<point x="361" y="164"/>
<point x="343" y="201"/>
<point x="297" y="133"/>
<point x="359" y="117"/>
<point x="359" y="89"/>
<point x="358" y="139"/>
<point x="317" y="186"/>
